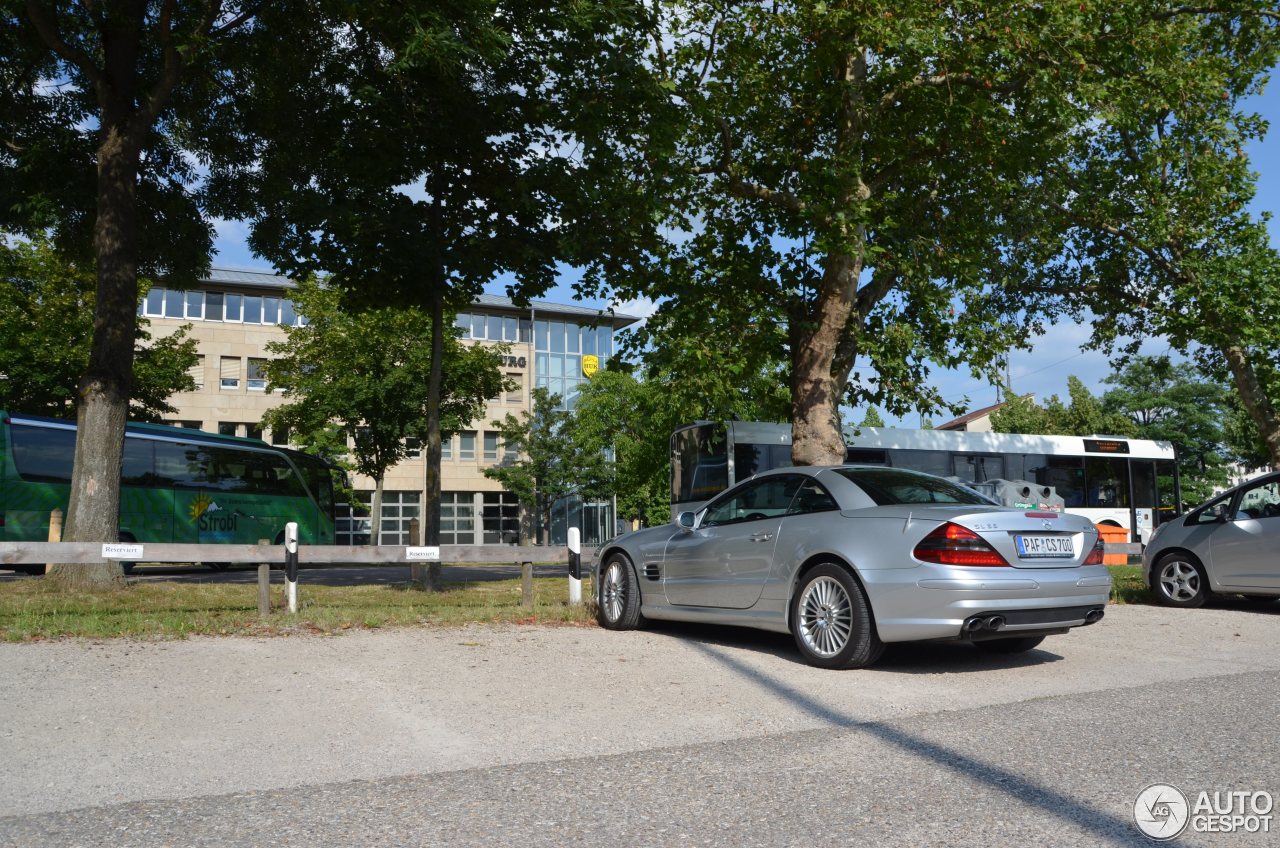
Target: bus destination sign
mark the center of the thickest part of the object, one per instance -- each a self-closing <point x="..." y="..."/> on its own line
<point x="1106" y="446"/>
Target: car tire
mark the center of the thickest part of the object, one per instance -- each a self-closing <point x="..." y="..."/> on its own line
<point x="1016" y="645"/>
<point x="618" y="595"/>
<point x="831" y="620"/>
<point x="1178" y="580"/>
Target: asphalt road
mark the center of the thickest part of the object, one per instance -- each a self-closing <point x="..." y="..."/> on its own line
<point x="675" y="735"/>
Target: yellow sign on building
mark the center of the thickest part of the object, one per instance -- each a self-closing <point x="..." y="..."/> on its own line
<point x="590" y="365"/>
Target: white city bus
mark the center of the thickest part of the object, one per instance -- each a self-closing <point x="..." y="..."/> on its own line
<point x="1128" y="483"/>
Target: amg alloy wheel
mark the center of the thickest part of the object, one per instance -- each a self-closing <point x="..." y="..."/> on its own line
<point x="618" y="595"/>
<point x="831" y="620"/>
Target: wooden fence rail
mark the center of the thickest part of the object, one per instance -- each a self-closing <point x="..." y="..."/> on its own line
<point x="36" y="553"/>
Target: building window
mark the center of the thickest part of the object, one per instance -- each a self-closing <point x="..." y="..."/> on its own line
<point x="252" y="309"/>
<point x="228" y="428"/>
<point x="288" y="316"/>
<point x="398" y="509"/>
<point x="186" y="425"/>
<point x="446" y="446"/>
<point x="154" y="304"/>
<point x="490" y="446"/>
<point x="229" y="372"/>
<point x="271" y="310"/>
<point x="197" y="372"/>
<point x="412" y="448"/>
<point x="195" y="305"/>
<point x="253" y="431"/>
<point x="467" y="444"/>
<point x="500" y="518"/>
<point x="233" y="309"/>
<point x="463" y="323"/>
<point x="173" y="303"/>
<point x="213" y="306"/>
<point x="509" y="453"/>
<point x="515" y="394"/>
<point x="279" y="435"/>
<point x="257" y="375"/>
<point x="457" y="518"/>
<point x="352" y="523"/>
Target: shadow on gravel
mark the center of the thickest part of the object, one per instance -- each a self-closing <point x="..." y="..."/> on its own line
<point x="905" y="658"/>
<point x="1106" y="827"/>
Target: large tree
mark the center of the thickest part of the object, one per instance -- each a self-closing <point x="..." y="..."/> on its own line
<point x="91" y="95"/>
<point x="1155" y="204"/>
<point x="859" y="179"/>
<point x="367" y="372"/>
<point x="414" y="151"/>
<point x="46" y="329"/>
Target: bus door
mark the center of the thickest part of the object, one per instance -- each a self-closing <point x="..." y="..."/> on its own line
<point x="1145" y="497"/>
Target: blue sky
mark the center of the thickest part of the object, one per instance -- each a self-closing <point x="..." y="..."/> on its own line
<point x="1042" y="370"/>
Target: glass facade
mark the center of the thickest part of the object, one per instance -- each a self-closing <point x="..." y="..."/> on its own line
<point x="219" y="306"/>
<point x="559" y="351"/>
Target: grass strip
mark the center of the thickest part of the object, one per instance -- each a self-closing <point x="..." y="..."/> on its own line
<point x="31" y="611"/>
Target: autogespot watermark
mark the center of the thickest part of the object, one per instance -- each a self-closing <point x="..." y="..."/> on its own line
<point x="1162" y="811"/>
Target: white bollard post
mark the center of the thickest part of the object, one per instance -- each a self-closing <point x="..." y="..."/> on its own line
<point x="575" y="566"/>
<point x="291" y="565"/>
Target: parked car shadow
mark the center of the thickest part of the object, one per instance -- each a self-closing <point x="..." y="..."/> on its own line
<point x="905" y="658"/>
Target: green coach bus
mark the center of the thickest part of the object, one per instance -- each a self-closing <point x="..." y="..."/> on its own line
<point x="176" y="485"/>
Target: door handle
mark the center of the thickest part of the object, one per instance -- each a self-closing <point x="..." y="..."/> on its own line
<point x="761" y="537"/>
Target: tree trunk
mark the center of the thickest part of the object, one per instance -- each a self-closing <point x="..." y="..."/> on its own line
<point x="816" y="389"/>
<point x="104" y="392"/>
<point x="375" y="511"/>
<point x="1260" y="408"/>
<point x="431" y="497"/>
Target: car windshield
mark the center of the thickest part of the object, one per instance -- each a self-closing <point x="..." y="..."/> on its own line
<point x="889" y="486"/>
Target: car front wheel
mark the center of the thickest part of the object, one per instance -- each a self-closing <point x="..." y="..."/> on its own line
<point x="1180" y="581"/>
<point x="831" y="620"/>
<point x="618" y="595"/>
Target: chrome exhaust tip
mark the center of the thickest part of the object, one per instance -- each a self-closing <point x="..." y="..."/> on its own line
<point x="995" y="622"/>
<point x="1093" y="616"/>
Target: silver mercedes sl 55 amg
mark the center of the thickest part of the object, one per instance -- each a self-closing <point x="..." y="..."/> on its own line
<point x="848" y="558"/>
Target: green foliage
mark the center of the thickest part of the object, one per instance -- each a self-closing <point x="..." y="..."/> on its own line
<point x="1175" y="403"/>
<point x="1082" y="415"/>
<point x="553" y="463"/>
<point x="1154" y="204"/>
<point x="46" y="329"/>
<point x="367" y="372"/>
<point x="872" y="418"/>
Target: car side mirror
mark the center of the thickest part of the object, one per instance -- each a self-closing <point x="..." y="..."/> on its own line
<point x="686" y="520"/>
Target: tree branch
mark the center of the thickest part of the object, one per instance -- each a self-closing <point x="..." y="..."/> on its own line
<point x="45" y="20"/>
<point x="940" y="80"/>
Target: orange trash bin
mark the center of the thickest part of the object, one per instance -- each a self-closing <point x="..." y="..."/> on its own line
<point x="1112" y="535"/>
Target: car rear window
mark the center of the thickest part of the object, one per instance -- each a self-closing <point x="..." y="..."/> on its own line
<point x="889" y="486"/>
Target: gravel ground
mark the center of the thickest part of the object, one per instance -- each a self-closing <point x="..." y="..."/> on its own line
<point x="98" y="723"/>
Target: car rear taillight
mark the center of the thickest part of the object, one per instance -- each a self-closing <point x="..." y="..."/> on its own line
<point x="1095" y="555"/>
<point x="951" y="544"/>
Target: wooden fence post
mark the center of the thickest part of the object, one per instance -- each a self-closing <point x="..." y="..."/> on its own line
<point x="55" y="531"/>
<point x="526" y="585"/>
<point x="417" y="571"/>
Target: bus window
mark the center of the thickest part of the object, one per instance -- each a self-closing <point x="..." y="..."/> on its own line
<point x="1064" y="473"/>
<point x="1107" y="482"/>
<point x="138" y="467"/>
<point x="937" y="463"/>
<point x="752" y="459"/>
<point x="866" y="456"/>
<point x="43" y="454"/>
<point x="977" y="468"/>
<point x="699" y="463"/>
